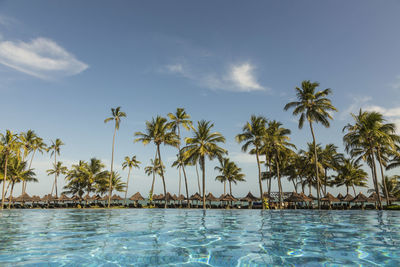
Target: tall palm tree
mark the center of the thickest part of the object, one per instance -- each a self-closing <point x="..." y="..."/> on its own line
<point x="129" y="163"/>
<point x="55" y="150"/>
<point x="229" y="172"/>
<point x="19" y="173"/>
<point x="58" y="169"/>
<point x="330" y="159"/>
<point x="350" y="174"/>
<point x="252" y="135"/>
<point x="116" y="116"/>
<point x="313" y="107"/>
<point x="159" y="132"/>
<point x="36" y="145"/>
<point x="154" y="169"/>
<point x="278" y="139"/>
<point x="367" y="138"/>
<point x="8" y="143"/>
<point x="204" y="143"/>
<point x="181" y="118"/>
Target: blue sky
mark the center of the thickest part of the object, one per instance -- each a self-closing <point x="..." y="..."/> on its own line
<point x="63" y="65"/>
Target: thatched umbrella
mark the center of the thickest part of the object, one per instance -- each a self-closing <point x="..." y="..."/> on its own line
<point x="136" y="197"/>
<point x="360" y="198"/>
<point x="48" y="198"/>
<point x="330" y="198"/>
<point x="250" y="198"/>
<point x="210" y="197"/>
<point x="294" y="197"/>
<point x="63" y="198"/>
<point x="347" y="198"/>
<point x="340" y="196"/>
<point x="23" y="198"/>
<point x="228" y="198"/>
<point x="174" y="197"/>
<point x="35" y="198"/>
<point x="116" y="198"/>
<point x="196" y="196"/>
<point x="305" y="198"/>
<point x="181" y="197"/>
<point x="168" y="197"/>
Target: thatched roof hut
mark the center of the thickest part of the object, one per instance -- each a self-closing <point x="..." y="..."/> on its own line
<point x="305" y="198"/>
<point x="175" y="197"/>
<point x="227" y="197"/>
<point x="196" y="196"/>
<point x="294" y="197"/>
<point x="48" y="197"/>
<point x="347" y="198"/>
<point x="63" y="197"/>
<point x="181" y="197"/>
<point x="330" y="198"/>
<point x="211" y="197"/>
<point x="249" y="198"/>
<point x="340" y="196"/>
<point x="360" y="198"/>
<point x="23" y="198"/>
<point x="116" y="198"/>
<point x="35" y="198"/>
<point x="136" y="197"/>
<point x="312" y="197"/>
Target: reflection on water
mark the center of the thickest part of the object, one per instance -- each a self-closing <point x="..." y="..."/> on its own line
<point x="149" y="237"/>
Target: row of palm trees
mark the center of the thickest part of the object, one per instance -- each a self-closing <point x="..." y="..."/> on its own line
<point x="368" y="139"/>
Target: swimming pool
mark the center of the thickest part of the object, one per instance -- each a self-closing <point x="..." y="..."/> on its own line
<point x="156" y="237"/>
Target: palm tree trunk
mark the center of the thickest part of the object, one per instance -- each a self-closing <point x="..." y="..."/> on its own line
<point x="279" y="181"/>
<point x="294" y="185"/>
<point x="383" y="177"/>
<point x="259" y="178"/>
<point x="204" y="181"/>
<point x="127" y="184"/>
<point x="186" y="185"/>
<point x="224" y="187"/>
<point x="316" y="164"/>
<point x="375" y="177"/>
<point x="55" y="174"/>
<point x="325" y="179"/>
<point x="347" y="190"/>
<point x="162" y="176"/>
<point x="198" y="179"/>
<point x="269" y="182"/>
<point x="354" y="190"/>
<point x="30" y="165"/>
<point x="230" y="190"/>
<point x="11" y="195"/>
<point x="4" y="182"/>
<point x="112" y="165"/>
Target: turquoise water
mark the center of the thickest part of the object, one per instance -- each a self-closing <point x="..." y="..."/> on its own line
<point x="143" y="237"/>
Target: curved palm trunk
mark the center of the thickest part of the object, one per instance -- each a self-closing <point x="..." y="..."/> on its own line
<point x="127" y="184"/>
<point x="30" y="165"/>
<point x="198" y="179"/>
<point x="259" y="178"/>
<point x="4" y="182"/>
<point x="383" y="178"/>
<point x="279" y="181"/>
<point x="376" y="178"/>
<point x="111" y="173"/>
<point x="11" y="195"/>
<point x="204" y="181"/>
<point x="269" y="183"/>
<point x="186" y="185"/>
<point x="316" y="165"/>
<point x="162" y="176"/>
<point x="354" y="190"/>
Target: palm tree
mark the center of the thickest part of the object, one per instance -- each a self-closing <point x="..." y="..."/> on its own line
<point x="19" y="173"/>
<point x="58" y="169"/>
<point x="102" y="186"/>
<point x="129" y="163"/>
<point x="158" y="132"/>
<point x="55" y="149"/>
<point x="154" y="169"/>
<point x="116" y="115"/>
<point x="277" y="138"/>
<point x="77" y="180"/>
<point x="367" y="138"/>
<point x="313" y="107"/>
<point x="36" y="145"/>
<point x="350" y="174"/>
<point x="252" y="135"/>
<point x="229" y="172"/>
<point x="8" y="144"/>
<point x="330" y="159"/>
<point x="203" y="144"/>
<point x="181" y="118"/>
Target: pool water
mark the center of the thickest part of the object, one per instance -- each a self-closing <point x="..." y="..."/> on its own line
<point x="157" y="237"/>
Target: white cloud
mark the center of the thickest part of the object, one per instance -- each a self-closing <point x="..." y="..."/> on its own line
<point x="243" y="77"/>
<point x="41" y="58"/>
<point x="391" y="114"/>
<point x="242" y="158"/>
<point x="357" y="103"/>
<point x="239" y="77"/>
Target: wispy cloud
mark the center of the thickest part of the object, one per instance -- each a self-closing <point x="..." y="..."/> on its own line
<point x="238" y="78"/>
<point x="242" y="158"/>
<point x="357" y="103"/>
<point x="391" y="114"/>
<point x="41" y="57"/>
<point x="396" y="84"/>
